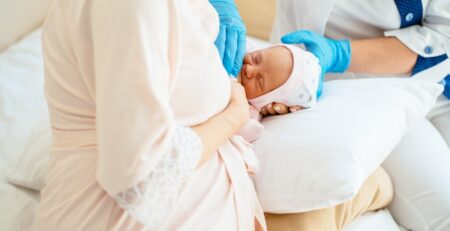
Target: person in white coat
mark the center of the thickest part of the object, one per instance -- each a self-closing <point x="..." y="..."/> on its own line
<point x="397" y="38"/>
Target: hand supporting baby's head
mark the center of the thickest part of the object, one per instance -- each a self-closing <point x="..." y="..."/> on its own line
<point x="281" y="73"/>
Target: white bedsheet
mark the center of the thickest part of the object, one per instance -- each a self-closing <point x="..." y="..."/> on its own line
<point x="22" y="104"/>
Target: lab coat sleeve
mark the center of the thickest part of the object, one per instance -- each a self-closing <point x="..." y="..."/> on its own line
<point x="144" y="155"/>
<point x="433" y="37"/>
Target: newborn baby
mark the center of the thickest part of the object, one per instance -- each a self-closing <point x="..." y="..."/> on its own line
<point x="281" y="73"/>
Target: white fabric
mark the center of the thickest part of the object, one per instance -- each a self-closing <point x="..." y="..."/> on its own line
<point x="31" y="167"/>
<point x="434" y="31"/>
<point x="300" y="89"/>
<point x="22" y="102"/>
<point x="18" y="205"/>
<point x="419" y="169"/>
<point x="21" y="81"/>
<point x="373" y="221"/>
<point x="356" y="19"/>
<point x="21" y="105"/>
<point x="153" y="199"/>
<point x="440" y="117"/>
<point x="426" y="197"/>
<point x="319" y="157"/>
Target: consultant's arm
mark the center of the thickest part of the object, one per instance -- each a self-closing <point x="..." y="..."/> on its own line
<point x="386" y="55"/>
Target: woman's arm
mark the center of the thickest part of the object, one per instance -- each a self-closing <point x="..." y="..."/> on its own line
<point x="227" y="122"/>
<point x="386" y="55"/>
<point x="144" y="155"/>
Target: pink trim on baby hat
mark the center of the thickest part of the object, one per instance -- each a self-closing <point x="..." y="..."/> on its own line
<point x="301" y="87"/>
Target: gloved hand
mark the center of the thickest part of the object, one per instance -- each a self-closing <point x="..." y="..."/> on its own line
<point x="334" y="55"/>
<point x="231" y="38"/>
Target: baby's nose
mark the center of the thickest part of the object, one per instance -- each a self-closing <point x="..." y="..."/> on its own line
<point x="249" y="71"/>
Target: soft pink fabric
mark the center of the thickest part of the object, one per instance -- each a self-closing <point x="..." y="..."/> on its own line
<point x="253" y="128"/>
<point x="301" y="87"/>
<point x="120" y="76"/>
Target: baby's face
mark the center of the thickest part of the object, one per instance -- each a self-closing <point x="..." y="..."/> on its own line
<point x="265" y="70"/>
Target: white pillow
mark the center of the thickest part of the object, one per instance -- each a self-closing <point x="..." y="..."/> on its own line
<point x="373" y="221"/>
<point x="320" y="157"/>
<point x="22" y="101"/>
<point x="31" y="167"/>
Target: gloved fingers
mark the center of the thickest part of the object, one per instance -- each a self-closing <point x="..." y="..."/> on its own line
<point x="314" y="43"/>
<point x="231" y="45"/>
<point x="306" y="37"/>
<point x="240" y="53"/>
<point x="220" y="41"/>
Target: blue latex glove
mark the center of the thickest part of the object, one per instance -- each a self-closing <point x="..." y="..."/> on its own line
<point x="334" y="55"/>
<point x="231" y="38"/>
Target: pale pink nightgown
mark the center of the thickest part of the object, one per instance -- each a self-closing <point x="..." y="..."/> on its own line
<point x="125" y="79"/>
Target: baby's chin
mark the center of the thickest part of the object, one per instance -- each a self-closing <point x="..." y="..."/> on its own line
<point x="239" y="80"/>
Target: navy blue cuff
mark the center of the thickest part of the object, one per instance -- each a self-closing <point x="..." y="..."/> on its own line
<point x="425" y="63"/>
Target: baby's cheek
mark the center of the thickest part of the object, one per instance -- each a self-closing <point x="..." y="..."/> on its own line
<point x="249" y="92"/>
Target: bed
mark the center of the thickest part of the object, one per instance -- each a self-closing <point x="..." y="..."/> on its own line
<point x="23" y="107"/>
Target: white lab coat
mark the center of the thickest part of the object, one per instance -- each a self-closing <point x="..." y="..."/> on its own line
<point x="420" y="165"/>
<point x="357" y="19"/>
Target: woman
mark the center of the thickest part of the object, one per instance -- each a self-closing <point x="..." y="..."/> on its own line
<point x="394" y="38"/>
<point x="136" y="93"/>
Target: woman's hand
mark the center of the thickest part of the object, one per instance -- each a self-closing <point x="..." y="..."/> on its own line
<point x="219" y="128"/>
<point x="278" y="109"/>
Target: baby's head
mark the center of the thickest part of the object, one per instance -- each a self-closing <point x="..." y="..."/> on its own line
<point x="281" y="73"/>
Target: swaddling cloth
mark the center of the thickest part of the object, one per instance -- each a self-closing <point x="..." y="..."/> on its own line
<point x="301" y="87"/>
<point x="253" y="128"/>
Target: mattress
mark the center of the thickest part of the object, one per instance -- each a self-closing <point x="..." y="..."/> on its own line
<point x="22" y="104"/>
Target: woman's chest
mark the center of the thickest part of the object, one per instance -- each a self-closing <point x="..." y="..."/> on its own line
<point x="202" y="87"/>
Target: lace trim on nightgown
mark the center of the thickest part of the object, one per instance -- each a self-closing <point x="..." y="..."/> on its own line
<point x="151" y="201"/>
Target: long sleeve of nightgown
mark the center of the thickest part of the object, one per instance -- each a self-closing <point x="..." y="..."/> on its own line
<point x="144" y="156"/>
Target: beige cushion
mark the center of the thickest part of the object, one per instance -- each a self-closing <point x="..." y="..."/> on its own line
<point x="376" y="192"/>
<point x="258" y="16"/>
<point x="19" y="17"/>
